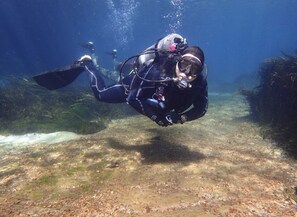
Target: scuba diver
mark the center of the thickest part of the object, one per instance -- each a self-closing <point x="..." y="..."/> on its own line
<point x="109" y="74"/>
<point x="166" y="83"/>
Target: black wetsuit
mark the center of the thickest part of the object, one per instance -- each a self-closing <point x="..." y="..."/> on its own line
<point x="145" y="97"/>
<point x="151" y="91"/>
<point x="116" y="93"/>
<point x="173" y="99"/>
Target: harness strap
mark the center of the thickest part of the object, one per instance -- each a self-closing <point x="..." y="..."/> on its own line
<point x="157" y="56"/>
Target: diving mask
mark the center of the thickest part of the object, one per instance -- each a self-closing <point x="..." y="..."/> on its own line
<point x="188" y="67"/>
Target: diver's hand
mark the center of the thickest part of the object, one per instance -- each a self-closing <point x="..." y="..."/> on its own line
<point x="181" y="83"/>
<point x="163" y="122"/>
<point x="175" y="118"/>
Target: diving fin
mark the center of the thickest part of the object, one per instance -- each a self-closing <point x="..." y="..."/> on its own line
<point x="58" y="78"/>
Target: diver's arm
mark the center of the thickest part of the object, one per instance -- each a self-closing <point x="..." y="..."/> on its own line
<point x="141" y="105"/>
<point x="140" y="91"/>
<point x="200" y="105"/>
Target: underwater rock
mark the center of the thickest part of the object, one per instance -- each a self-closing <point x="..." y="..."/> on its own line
<point x="28" y="108"/>
<point x="274" y="102"/>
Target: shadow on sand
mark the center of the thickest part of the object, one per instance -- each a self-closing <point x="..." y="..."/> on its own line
<point x="160" y="150"/>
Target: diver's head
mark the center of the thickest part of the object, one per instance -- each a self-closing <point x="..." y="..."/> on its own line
<point x="189" y="67"/>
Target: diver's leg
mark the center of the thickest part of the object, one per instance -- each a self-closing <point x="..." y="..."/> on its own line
<point x="113" y="94"/>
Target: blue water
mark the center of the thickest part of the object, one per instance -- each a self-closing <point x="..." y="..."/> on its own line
<point x="236" y="35"/>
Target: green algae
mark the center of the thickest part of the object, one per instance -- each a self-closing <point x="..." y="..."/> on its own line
<point x="51" y="180"/>
<point x="72" y="177"/>
<point x="74" y="170"/>
<point x="273" y="103"/>
<point x="234" y="170"/>
<point x="26" y="107"/>
<point x="69" y="183"/>
<point x="94" y="154"/>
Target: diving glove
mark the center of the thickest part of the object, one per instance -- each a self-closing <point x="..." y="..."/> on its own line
<point x="163" y="122"/>
<point x="182" y="83"/>
<point x="175" y="118"/>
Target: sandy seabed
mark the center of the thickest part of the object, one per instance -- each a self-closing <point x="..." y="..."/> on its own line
<point x="218" y="165"/>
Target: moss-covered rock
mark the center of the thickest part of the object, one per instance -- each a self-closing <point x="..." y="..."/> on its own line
<point x="274" y="102"/>
<point x="26" y="107"/>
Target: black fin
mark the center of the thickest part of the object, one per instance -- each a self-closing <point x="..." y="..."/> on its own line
<point x="58" y="78"/>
